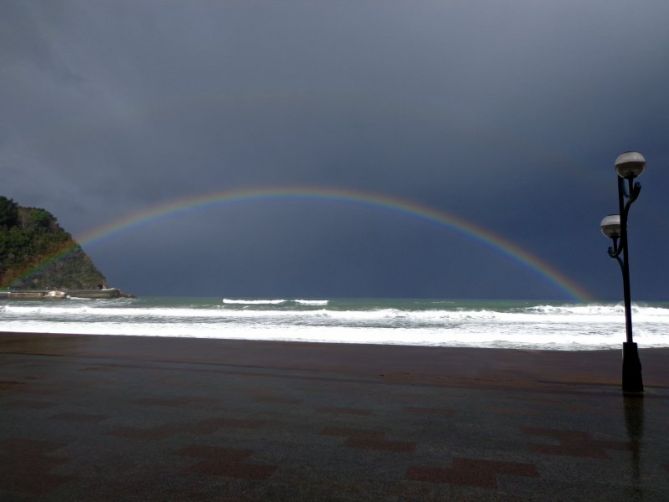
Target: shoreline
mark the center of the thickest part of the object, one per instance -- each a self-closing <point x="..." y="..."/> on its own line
<point x="492" y="344"/>
<point x="411" y="364"/>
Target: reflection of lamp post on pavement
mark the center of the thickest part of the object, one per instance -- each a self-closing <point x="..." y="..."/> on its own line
<point x="629" y="165"/>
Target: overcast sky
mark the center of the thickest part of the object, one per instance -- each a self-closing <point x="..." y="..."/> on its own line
<point x="509" y="114"/>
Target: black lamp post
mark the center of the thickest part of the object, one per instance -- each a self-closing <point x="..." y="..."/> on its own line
<point x="629" y="165"/>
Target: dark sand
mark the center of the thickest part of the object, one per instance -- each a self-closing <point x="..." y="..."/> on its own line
<point x="109" y="417"/>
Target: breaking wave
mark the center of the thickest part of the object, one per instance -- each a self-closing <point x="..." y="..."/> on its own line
<point x="229" y="301"/>
<point x="404" y="322"/>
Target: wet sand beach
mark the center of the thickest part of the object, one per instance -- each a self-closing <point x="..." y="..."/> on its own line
<point x="112" y="417"/>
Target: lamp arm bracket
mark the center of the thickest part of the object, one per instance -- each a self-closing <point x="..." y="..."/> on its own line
<point x="614" y="252"/>
<point x="631" y="190"/>
<point x="634" y="192"/>
<point x="616" y="248"/>
<point x="620" y="262"/>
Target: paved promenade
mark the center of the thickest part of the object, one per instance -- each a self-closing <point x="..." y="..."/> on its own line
<point x="129" y="418"/>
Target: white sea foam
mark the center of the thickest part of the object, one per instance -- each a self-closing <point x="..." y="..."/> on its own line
<point x="233" y="301"/>
<point x="465" y="337"/>
<point x="316" y="303"/>
<point x="595" y="309"/>
<point x="579" y="327"/>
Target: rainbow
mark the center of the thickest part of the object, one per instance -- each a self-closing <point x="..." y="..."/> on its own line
<point x="405" y="206"/>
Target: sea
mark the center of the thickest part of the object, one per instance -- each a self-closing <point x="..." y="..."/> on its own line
<point x="427" y="322"/>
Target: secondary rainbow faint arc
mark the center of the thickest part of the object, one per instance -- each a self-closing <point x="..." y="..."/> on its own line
<point x="412" y="208"/>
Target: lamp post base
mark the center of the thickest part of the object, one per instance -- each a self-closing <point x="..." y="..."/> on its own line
<point x="632" y="380"/>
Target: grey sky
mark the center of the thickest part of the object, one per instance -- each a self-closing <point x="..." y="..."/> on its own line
<point x="507" y="113"/>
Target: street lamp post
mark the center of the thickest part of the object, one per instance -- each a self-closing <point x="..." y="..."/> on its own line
<point x="629" y="165"/>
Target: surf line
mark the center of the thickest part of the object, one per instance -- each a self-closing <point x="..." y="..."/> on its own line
<point x="405" y="206"/>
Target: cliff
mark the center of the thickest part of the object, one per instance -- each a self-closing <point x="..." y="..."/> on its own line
<point x="36" y="253"/>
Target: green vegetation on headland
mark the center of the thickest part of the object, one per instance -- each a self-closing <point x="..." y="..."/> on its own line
<point x="36" y="253"/>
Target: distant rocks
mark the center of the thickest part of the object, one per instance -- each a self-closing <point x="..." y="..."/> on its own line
<point x="54" y="294"/>
<point x="97" y="293"/>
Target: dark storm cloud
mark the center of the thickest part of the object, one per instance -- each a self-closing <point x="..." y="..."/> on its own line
<point x="507" y="113"/>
